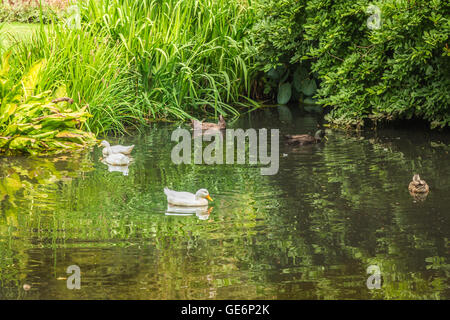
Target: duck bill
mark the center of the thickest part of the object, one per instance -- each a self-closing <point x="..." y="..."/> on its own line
<point x="209" y="198"/>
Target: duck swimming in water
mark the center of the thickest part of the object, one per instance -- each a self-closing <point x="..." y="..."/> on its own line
<point x="418" y="186"/>
<point x="304" y="139"/>
<point x="221" y="125"/>
<point x="115" y="149"/>
<point x="187" y="199"/>
<point x="115" y="159"/>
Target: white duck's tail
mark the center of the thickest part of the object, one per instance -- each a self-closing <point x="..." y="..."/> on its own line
<point x="166" y="191"/>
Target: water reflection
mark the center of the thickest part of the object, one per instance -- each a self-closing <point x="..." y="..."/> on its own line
<point x="309" y="232"/>
<point x="35" y="178"/>
<point x="124" y="169"/>
<point x="202" y="213"/>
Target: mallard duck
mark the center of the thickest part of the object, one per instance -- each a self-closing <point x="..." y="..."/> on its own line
<point x="187" y="199"/>
<point x="304" y="139"/>
<point x="221" y="125"/>
<point x="115" y="149"/>
<point x="115" y="159"/>
<point x="417" y="185"/>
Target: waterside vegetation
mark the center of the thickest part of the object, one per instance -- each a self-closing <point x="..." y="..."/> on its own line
<point x="134" y="62"/>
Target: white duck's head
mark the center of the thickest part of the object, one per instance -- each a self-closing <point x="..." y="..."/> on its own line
<point x="203" y="193"/>
<point x="105" y="143"/>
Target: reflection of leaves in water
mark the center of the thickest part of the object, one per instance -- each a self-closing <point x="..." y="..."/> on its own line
<point x="308" y="232"/>
<point x="35" y="179"/>
<point x="362" y="195"/>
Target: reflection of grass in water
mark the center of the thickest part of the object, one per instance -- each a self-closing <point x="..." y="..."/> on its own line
<point x="119" y="214"/>
<point x="308" y="234"/>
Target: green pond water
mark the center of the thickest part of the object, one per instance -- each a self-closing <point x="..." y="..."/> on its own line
<point x="308" y="232"/>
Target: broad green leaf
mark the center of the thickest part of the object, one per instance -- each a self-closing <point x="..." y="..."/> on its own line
<point x="299" y="75"/>
<point x="308" y="87"/>
<point x="309" y="101"/>
<point x="6" y="112"/>
<point x="284" y="93"/>
<point x="21" y="143"/>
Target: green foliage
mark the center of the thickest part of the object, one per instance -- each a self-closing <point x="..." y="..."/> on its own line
<point x="133" y="62"/>
<point x="277" y="37"/>
<point x="400" y="70"/>
<point x="94" y="68"/>
<point x="284" y="93"/>
<point x="191" y="55"/>
<point x="36" y="123"/>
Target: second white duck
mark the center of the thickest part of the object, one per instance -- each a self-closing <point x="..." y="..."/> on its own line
<point x="187" y="199"/>
<point x="115" y="149"/>
<point x="115" y="159"/>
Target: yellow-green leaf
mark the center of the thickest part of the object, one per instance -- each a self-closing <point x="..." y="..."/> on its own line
<point x="30" y="80"/>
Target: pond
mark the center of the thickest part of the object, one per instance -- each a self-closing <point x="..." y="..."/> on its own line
<point x="308" y="232"/>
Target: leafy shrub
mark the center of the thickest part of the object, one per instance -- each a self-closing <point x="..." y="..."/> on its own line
<point x="38" y="123"/>
<point x="400" y="70"/>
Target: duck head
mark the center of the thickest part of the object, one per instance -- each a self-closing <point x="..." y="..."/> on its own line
<point x="105" y="143"/>
<point x="203" y="193"/>
<point x="416" y="179"/>
<point x="222" y="122"/>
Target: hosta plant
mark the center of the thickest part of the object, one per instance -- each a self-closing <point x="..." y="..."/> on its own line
<point x="38" y="123"/>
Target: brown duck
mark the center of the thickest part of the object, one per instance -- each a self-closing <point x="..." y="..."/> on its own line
<point x="304" y="139"/>
<point x="221" y="125"/>
<point x="418" y="186"/>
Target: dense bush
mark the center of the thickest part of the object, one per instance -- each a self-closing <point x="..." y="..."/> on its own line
<point x="400" y="70"/>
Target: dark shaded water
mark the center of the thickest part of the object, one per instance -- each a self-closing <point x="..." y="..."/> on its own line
<point x="309" y="232"/>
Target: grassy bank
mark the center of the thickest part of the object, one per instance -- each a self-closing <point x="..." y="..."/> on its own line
<point x="133" y="62"/>
<point x="192" y="56"/>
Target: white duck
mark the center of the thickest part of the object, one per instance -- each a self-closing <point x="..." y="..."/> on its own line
<point x="187" y="199"/>
<point x="115" y="159"/>
<point x="116" y="149"/>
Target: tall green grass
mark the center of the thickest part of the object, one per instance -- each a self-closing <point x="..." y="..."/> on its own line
<point x="94" y="68"/>
<point x="134" y="62"/>
<point x="192" y="56"/>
